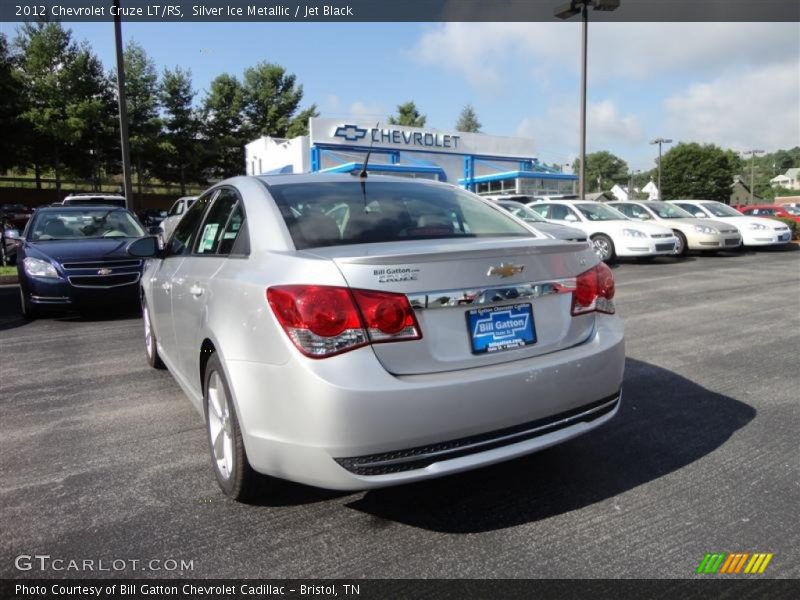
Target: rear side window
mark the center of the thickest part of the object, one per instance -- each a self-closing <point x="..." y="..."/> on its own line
<point x="213" y="229"/>
<point x="336" y="213"/>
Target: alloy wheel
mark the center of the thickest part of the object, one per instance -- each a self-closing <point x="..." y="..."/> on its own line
<point x="220" y="427"/>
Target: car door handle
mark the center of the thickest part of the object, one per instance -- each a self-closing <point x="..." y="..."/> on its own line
<point x="166" y="286"/>
<point x="196" y="291"/>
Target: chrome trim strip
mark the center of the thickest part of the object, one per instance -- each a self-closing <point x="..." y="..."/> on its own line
<point x="122" y="263"/>
<point x="105" y="287"/>
<point x="500" y="294"/>
<point x="511" y="436"/>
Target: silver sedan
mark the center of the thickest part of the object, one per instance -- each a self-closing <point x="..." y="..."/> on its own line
<point x="352" y="333"/>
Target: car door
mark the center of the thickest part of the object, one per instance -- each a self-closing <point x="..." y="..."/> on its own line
<point x="190" y="290"/>
<point x="163" y="277"/>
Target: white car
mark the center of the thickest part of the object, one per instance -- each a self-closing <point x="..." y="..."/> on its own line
<point x="175" y="213"/>
<point x="612" y="233"/>
<point x="756" y="231"/>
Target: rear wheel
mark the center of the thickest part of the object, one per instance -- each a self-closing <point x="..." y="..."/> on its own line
<point x="151" y="348"/>
<point x="29" y="311"/>
<point x="681" y="246"/>
<point x="604" y="247"/>
<point x="228" y="457"/>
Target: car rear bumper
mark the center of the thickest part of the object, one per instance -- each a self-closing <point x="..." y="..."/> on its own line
<point x="346" y="423"/>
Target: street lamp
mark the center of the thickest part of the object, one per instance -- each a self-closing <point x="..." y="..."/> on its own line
<point x="752" y="154"/>
<point x="564" y="12"/>
<point x="660" y="141"/>
<point x="122" y="101"/>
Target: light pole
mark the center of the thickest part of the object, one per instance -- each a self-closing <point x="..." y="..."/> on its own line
<point x="752" y="154"/>
<point x="660" y="141"/>
<point x="122" y="101"/>
<point x="564" y="12"/>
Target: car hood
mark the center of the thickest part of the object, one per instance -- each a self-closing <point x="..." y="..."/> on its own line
<point x="721" y="226"/>
<point x="745" y="221"/>
<point x="616" y="227"/>
<point x="62" y="250"/>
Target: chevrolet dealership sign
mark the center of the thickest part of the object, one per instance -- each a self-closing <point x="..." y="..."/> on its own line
<point x="395" y="137"/>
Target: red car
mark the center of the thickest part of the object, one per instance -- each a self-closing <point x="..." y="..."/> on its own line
<point x="772" y="210"/>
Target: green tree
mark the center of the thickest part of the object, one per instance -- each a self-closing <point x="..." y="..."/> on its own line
<point x="468" y="120"/>
<point x="144" y="125"/>
<point x="11" y="108"/>
<point x="223" y="129"/>
<point x="67" y="94"/>
<point x="271" y="99"/>
<point x="181" y="127"/>
<point x="603" y="170"/>
<point x="698" y="171"/>
<point x="408" y="115"/>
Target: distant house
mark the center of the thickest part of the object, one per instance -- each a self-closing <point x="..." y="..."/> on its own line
<point x="601" y="197"/>
<point x="789" y="180"/>
<point x="740" y="194"/>
<point x="651" y="189"/>
<point x="620" y="192"/>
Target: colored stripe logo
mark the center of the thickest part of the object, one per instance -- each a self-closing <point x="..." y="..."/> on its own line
<point x="734" y="563"/>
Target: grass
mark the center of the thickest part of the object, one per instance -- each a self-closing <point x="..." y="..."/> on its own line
<point x="8" y="270"/>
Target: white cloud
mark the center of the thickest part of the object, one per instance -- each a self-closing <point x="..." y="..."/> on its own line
<point x="480" y="51"/>
<point x="557" y="131"/>
<point x="759" y="107"/>
<point x="363" y="110"/>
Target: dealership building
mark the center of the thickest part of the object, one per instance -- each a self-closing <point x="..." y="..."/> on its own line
<point x="482" y="163"/>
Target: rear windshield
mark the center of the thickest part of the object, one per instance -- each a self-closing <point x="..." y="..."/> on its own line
<point x="94" y="201"/>
<point x="337" y="213"/>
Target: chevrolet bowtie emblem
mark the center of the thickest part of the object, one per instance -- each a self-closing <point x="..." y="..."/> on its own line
<point x="506" y="270"/>
<point x="104" y="271"/>
<point x="352" y="133"/>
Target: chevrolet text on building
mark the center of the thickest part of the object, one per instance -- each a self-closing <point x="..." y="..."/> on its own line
<point x="479" y="162"/>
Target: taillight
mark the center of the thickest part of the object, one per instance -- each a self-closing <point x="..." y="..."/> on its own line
<point x="326" y="320"/>
<point x="594" y="291"/>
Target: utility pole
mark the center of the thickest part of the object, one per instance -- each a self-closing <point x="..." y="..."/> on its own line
<point x="566" y="11"/>
<point x="630" y="183"/>
<point x="752" y="154"/>
<point x="123" y="111"/>
<point x="660" y="141"/>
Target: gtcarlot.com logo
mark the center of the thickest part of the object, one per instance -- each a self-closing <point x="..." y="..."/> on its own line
<point x="45" y="562"/>
<point x="734" y="563"/>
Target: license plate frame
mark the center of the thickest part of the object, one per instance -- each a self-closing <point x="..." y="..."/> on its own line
<point x="494" y="329"/>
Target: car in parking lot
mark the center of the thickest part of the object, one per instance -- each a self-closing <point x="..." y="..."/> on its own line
<point x="612" y="233"/>
<point x="74" y="256"/>
<point x="691" y="233"/>
<point x="772" y="210"/>
<point x="756" y="231"/>
<point x="94" y="199"/>
<point x="561" y="232"/>
<point x="420" y="332"/>
<point x="180" y="206"/>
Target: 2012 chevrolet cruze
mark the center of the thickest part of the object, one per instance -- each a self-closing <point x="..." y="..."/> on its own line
<point x="351" y="332"/>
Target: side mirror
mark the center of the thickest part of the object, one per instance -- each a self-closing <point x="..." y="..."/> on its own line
<point x="644" y="216"/>
<point x="571" y="218"/>
<point x="144" y="247"/>
<point x="700" y="215"/>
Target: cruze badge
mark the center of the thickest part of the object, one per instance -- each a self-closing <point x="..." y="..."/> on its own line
<point x="506" y="270"/>
<point x="104" y="271"/>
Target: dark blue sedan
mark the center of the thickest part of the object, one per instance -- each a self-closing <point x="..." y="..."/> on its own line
<point x="74" y="256"/>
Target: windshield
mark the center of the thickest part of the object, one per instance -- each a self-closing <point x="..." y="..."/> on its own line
<point x="89" y="223"/>
<point x="792" y="210"/>
<point x="522" y="212"/>
<point x="668" y="211"/>
<point x="335" y="213"/>
<point x="718" y="209"/>
<point x="594" y="211"/>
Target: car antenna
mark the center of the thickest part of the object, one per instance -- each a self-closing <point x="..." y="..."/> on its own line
<point x="363" y="173"/>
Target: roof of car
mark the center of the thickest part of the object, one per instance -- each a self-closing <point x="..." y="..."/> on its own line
<point x="292" y="178"/>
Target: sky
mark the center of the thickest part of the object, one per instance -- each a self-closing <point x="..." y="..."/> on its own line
<point x="733" y="84"/>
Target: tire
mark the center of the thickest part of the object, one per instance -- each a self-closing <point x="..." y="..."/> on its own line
<point x="151" y="347"/>
<point x="234" y="474"/>
<point x="604" y="247"/>
<point x="682" y="247"/>
<point x="29" y="311"/>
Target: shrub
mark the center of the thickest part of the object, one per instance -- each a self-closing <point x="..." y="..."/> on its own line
<point x="793" y="225"/>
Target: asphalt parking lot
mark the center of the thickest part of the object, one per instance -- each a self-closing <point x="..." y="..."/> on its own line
<point x="104" y="458"/>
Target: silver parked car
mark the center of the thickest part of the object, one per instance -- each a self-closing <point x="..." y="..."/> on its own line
<point x="352" y="333"/>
